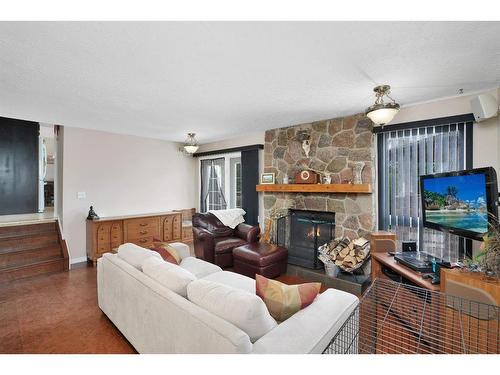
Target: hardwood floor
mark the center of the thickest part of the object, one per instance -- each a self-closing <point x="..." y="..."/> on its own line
<point x="57" y="314"/>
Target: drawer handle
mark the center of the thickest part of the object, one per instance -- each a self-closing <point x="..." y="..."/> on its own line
<point x="143" y="232"/>
<point x="143" y="240"/>
<point x="143" y="224"/>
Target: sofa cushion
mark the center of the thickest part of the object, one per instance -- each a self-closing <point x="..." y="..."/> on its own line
<point x="233" y="279"/>
<point x="181" y="248"/>
<point x="285" y="300"/>
<point x="243" y="309"/>
<point x="199" y="267"/>
<point x="135" y="255"/>
<point x="151" y="262"/>
<point x="169" y="275"/>
<point x="227" y="244"/>
<point x="167" y="252"/>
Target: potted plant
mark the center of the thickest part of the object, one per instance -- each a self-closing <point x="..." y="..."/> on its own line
<point x="489" y="258"/>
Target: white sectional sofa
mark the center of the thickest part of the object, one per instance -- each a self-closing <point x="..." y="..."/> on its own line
<point x="213" y="311"/>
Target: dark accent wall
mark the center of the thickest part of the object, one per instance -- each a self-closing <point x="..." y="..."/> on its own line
<point x="249" y="179"/>
<point x="18" y="166"/>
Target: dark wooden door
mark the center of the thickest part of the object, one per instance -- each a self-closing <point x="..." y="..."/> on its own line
<point x="18" y="166"/>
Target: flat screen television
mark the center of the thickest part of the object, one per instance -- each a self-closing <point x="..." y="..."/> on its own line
<point x="462" y="203"/>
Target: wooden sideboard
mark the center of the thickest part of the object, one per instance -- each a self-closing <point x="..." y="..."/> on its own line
<point x="106" y="234"/>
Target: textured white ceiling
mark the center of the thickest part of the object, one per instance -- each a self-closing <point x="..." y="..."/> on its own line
<point x="223" y="79"/>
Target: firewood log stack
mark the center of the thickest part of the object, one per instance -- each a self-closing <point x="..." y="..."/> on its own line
<point x="345" y="253"/>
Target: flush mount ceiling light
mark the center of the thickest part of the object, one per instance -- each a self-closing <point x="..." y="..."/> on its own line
<point x="191" y="145"/>
<point x="382" y="113"/>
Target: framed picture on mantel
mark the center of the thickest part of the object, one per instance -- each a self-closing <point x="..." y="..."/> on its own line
<point x="267" y="178"/>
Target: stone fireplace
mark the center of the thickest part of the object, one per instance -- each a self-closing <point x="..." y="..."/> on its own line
<point x="334" y="147"/>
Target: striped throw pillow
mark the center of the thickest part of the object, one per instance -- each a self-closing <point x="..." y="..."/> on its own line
<point x="167" y="252"/>
<point x="284" y="300"/>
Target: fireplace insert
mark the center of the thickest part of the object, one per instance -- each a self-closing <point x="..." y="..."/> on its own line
<point x="307" y="231"/>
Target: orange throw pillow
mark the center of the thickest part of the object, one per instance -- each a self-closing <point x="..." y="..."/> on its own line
<point x="284" y="300"/>
<point x="167" y="252"/>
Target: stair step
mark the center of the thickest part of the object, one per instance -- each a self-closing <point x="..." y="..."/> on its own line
<point x="19" y="233"/>
<point x="27" y="241"/>
<point x="27" y="256"/>
<point x="24" y="230"/>
<point x="7" y="247"/>
<point x="34" y="269"/>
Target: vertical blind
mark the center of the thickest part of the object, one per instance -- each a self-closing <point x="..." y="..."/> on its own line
<point x="403" y="156"/>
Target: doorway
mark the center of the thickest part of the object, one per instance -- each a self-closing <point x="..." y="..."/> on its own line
<point x="27" y="170"/>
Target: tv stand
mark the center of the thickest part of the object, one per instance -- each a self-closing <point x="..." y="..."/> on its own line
<point x="452" y="282"/>
<point x="385" y="266"/>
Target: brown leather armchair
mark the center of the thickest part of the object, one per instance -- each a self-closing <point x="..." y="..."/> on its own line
<point x="214" y="242"/>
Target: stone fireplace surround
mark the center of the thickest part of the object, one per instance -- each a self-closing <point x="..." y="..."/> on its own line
<point x="335" y="145"/>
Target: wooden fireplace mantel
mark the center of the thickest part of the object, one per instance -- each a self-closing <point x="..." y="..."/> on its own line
<point x="316" y="188"/>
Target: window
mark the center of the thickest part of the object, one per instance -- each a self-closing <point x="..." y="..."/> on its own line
<point x="403" y="155"/>
<point x="235" y="183"/>
<point x="215" y="198"/>
<point x="216" y="184"/>
<point x="237" y="173"/>
<point x="212" y="185"/>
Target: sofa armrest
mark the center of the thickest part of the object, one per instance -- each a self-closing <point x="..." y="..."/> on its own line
<point x="310" y="330"/>
<point x="204" y="244"/>
<point x="249" y="233"/>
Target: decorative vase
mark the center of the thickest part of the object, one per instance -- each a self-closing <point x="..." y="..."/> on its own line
<point x="357" y="169"/>
<point x="285" y="179"/>
<point x="327" y="179"/>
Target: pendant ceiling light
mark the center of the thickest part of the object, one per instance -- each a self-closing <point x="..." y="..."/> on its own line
<point x="191" y="145"/>
<point x="382" y="113"/>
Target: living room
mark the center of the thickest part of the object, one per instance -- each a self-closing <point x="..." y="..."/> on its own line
<point x="260" y="186"/>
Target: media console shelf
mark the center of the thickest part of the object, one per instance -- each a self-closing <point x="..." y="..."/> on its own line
<point x="316" y="188"/>
<point x="382" y="263"/>
<point x="384" y="266"/>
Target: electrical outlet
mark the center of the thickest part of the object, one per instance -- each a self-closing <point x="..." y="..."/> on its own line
<point x="81" y="195"/>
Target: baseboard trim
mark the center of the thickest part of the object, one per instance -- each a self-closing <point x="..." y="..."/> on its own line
<point x="78" y="260"/>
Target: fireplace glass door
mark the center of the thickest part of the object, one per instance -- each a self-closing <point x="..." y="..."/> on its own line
<point x="308" y="231"/>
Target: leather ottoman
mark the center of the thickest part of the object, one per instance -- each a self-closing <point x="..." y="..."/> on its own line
<point x="260" y="258"/>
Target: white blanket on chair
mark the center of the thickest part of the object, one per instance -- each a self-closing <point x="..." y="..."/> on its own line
<point x="230" y="218"/>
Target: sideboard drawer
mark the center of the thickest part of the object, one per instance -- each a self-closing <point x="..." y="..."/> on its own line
<point x="187" y="233"/>
<point x="143" y="241"/>
<point x="103" y="238"/>
<point x="141" y="228"/>
<point x="172" y="227"/>
<point x="116" y="235"/>
<point x="177" y="227"/>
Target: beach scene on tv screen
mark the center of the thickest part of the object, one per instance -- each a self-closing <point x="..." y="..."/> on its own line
<point x="457" y="202"/>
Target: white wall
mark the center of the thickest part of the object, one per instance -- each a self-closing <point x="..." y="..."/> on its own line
<point x="120" y="175"/>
